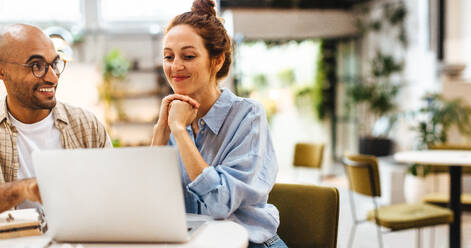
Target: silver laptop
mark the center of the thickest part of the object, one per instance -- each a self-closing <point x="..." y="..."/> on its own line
<point x="113" y="195"/>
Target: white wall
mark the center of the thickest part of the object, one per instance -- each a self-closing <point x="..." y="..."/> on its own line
<point x="458" y="34"/>
<point x="421" y="70"/>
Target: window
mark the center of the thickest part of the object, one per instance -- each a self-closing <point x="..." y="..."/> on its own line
<point x="257" y="58"/>
<point x="50" y="11"/>
<point x="142" y="10"/>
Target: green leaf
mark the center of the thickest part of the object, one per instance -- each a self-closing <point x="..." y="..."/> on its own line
<point x="260" y="81"/>
<point x="115" y="65"/>
<point x="287" y="77"/>
<point x="442" y="114"/>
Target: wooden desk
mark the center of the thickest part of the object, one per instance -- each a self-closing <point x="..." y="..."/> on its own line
<point x="214" y="234"/>
<point x="455" y="159"/>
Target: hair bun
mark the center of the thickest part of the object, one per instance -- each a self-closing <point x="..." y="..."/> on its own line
<point x="204" y="7"/>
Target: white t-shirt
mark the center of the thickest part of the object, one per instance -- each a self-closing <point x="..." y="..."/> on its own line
<point x="42" y="135"/>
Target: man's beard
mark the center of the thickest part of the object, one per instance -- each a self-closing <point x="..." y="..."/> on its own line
<point x="32" y="101"/>
<point x="36" y="104"/>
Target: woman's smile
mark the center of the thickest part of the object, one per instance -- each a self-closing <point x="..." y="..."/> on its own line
<point x="179" y="78"/>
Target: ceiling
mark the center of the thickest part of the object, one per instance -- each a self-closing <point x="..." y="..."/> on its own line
<point x="289" y="4"/>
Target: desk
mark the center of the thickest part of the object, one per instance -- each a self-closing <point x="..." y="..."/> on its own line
<point x="214" y="234"/>
<point x="455" y="159"/>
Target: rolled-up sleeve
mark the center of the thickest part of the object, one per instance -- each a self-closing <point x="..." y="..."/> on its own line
<point x="208" y="181"/>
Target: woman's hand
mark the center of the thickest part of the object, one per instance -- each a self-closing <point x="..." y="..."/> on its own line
<point x="181" y="114"/>
<point x="165" y="106"/>
<point x="161" y="129"/>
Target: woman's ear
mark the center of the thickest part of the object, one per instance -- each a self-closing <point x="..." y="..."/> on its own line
<point x="218" y="62"/>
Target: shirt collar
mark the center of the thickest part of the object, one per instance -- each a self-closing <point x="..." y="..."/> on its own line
<point x="58" y="112"/>
<point x="218" y="112"/>
<point x="4" y="110"/>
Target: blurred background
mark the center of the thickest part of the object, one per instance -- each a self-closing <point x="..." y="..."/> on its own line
<point x="368" y="76"/>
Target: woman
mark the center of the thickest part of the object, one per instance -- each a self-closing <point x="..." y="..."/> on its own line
<point x="227" y="158"/>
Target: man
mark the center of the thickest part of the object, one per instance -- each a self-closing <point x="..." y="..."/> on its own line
<point x="30" y="117"/>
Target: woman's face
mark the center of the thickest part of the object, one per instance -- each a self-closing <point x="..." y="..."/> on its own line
<point x="186" y="62"/>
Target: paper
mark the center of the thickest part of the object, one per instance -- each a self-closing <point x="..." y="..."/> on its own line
<point x="26" y="242"/>
<point x="19" y="223"/>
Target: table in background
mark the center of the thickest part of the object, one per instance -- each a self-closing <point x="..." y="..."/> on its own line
<point x="454" y="159"/>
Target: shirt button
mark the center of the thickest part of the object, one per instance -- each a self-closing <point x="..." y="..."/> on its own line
<point x="202" y="123"/>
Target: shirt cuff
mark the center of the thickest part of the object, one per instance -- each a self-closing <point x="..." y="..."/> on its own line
<point x="205" y="182"/>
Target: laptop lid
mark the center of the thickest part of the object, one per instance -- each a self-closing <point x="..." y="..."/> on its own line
<point x="103" y="195"/>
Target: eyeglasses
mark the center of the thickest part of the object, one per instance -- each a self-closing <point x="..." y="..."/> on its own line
<point x="39" y="68"/>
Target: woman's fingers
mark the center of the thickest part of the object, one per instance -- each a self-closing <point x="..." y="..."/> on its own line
<point x="184" y="98"/>
<point x="167" y="103"/>
<point x="181" y="104"/>
<point x="181" y="113"/>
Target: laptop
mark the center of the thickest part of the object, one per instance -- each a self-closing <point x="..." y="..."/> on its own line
<point x="113" y="195"/>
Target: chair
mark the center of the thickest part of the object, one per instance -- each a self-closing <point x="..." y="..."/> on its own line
<point x="309" y="155"/>
<point x="363" y="176"/>
<point x="309" y="214"/>
<point x="442" y="199"/>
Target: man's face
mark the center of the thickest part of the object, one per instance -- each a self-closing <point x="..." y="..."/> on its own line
<point x="22" y="85"/>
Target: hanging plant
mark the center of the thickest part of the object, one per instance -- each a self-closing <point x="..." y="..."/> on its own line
<point x="313" y="95"/>
<point x="115" y="67"/>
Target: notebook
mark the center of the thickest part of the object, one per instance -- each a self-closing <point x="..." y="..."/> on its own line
<point x="20" y="223"/>
<point x="113" y="195"/>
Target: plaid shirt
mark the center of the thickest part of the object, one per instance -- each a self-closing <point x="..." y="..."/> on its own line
<point x="78" y="128"/>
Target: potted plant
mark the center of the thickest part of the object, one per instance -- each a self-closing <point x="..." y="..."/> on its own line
<point x="375" y="99"/>
<point x="435" y="119"/>
<point x="438" y="116"/>
<point x="417" y="183"/>
<point x="374" y="95"/>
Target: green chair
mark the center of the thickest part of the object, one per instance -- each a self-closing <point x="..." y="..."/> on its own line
<point x="309" y="155"/>
<point x="363" y="176"/>
<point x="443" y="199"/>
<point x="309" y="214"/>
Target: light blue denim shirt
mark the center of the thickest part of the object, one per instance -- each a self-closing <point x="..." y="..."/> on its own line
<point x="235" y="141"/>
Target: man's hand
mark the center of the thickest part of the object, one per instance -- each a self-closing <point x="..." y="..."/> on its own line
<point x="13" y="193"/>
<point x="32" y="190"/>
